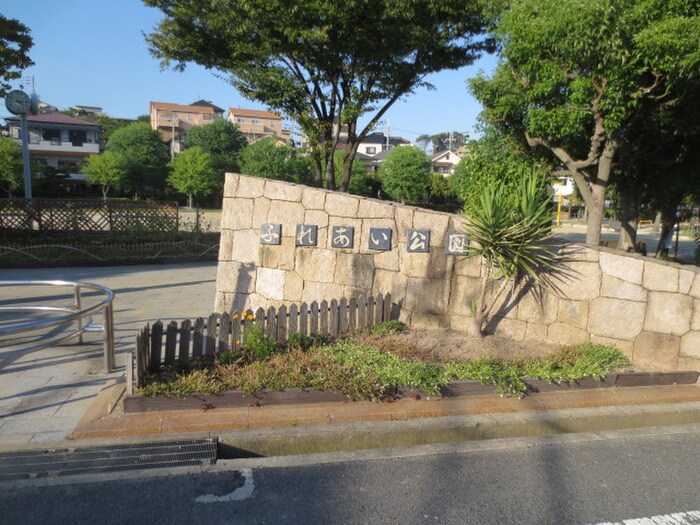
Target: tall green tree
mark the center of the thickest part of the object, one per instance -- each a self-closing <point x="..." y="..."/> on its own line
<point x="145" y="156"/>
<point x="193" y="173"/>
<point x="11" y="178"/>
<point x="575" y="76"/>
<point x="269" y="159"/>
<point x="106" y="169"/>
<point x="15" y="43"/>
<point x="447" y="140"/>
<point x="495" y="158"/>
<point x="222" y="140"/>
<point x="323" y="63"/>
<point x="404" y="174"/>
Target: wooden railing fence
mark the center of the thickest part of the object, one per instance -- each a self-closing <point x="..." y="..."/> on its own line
<point x="159" y="345"/>
<point x="88" y="216"/>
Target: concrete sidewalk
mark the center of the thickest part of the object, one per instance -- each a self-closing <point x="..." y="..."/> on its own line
<point x="43" y="395"/>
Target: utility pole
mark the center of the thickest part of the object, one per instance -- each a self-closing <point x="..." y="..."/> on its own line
<point x="388" y="133"/>
<point x="449" y="141"/>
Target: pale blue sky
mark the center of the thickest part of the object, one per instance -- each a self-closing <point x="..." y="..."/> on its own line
<point x="92" y="52"/>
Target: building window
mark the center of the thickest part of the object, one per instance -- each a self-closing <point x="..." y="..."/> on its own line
<point x="52" y="135"/>
<point x="189" y="118"/>
<point x="255" y="121"/>
<point x="371" y="150"/>
<point x="240" y="120"/>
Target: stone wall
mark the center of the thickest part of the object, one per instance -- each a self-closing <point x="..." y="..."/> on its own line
<point x="649" y="309"/>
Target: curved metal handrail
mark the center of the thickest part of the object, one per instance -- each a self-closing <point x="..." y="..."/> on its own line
<point x="81" y="316"/>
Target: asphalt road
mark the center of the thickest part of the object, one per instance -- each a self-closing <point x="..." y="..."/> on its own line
<point x="584" y="478"/>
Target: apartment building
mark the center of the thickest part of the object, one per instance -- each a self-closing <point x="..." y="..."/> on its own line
<point x="174" y="120"/>
<point x="257" y="124"/>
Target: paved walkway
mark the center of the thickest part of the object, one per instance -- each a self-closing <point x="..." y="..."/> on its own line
<point x="43" y="395"/>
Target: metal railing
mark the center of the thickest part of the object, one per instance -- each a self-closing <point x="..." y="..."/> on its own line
<point x="76" y="321"/>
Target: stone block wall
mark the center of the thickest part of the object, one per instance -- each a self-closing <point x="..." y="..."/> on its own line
<point x="649" y="309"/>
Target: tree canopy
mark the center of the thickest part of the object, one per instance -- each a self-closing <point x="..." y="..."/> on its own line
<point x="145" y="156"/>
<point x="322" y="63"/>
<point x="495" y="159"/>
<point x="447" y="140"/>
<point x="193" y="173"/>
<point x="404" y="174"/>
<point x="575" y="77"/>
<point x="106" y="169"/>
<point x="15" y="43"/>
<point x="222" y="140"/>
<point x="11" y="178"/>
<point x="269" y="159"/>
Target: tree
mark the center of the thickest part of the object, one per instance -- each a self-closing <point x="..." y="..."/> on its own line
<point x="404" y="174"/>
<point x="222" y="140"/>
<point x="107" y="169"/>
<point x="506" y="230"/>
<point x="145" y="156"/>
<point x="575" y="76"/>
<point x="193" y="173"/>
<point x="15" y="43"/>
<point x="359" y="175"/>
<point x="324" y="64"/>
<point x="272" y="160"/>
<point x="495" y="158"/>
<point x="448" y="140"/>
<point x="11" y="175"/>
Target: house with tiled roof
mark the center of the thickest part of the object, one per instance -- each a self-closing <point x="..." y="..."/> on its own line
<point x="174" y="120"/>
<point x="374" y="143"/>
<point x="257" y="124"/>
<point x="58" y="140"/>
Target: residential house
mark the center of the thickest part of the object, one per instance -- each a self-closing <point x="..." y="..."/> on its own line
<point x="257" y="124"/>
<point x="57" y="140"/>
<point x="374" y="143"/>
<point x="444" y="162"/>
<point x="174" y="120"/>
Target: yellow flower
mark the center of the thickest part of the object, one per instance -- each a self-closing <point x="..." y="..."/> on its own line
<point x="235" y="316"/>
<point x="238" y="341"/>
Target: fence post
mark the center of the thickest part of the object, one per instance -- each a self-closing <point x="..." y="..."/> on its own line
<point x="323" y="311"/>
<point x="130" y="373"/>
<point x="184" y="349"/>
<point x="334" y="320"/>
<point x="282" y="326"/>
<point x="313" y="324"/>
<point x="156" y="344"/>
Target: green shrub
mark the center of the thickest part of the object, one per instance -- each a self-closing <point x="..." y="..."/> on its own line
<point x="386" y="328"/>
<point x="257" y="344"/>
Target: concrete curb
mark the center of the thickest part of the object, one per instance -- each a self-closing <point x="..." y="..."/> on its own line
<point x="329" y="427"/>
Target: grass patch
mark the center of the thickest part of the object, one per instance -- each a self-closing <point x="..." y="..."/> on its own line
<point x="363" y="368"/>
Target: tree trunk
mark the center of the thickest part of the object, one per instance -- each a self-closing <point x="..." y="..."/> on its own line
<point x="668" y="221"/>
<point x="628" y="219"/>
<point x="596" y="196"/>
<point x="189" y="200"/>
<point x="595" y="207"/>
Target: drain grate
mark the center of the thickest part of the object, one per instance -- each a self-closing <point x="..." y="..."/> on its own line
<point x="30" y="464"/>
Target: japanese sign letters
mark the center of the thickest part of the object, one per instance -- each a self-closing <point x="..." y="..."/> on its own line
<point x="380" y="239"/>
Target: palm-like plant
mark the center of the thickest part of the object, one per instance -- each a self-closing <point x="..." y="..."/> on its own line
<point x="508" y="233"/>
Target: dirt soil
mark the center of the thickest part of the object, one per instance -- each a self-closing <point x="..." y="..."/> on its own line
<point x="453" y="344"/>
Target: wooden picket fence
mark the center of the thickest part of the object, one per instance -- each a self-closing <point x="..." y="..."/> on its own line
<point x="160" y="345"/>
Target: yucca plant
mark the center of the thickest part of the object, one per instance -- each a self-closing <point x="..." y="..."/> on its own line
<point x="508" y="233"/>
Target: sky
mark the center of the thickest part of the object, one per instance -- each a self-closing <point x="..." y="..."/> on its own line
<point x="93" y="53"/>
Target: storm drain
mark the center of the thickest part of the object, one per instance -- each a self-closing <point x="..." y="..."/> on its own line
<point x="30" y="464"/>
